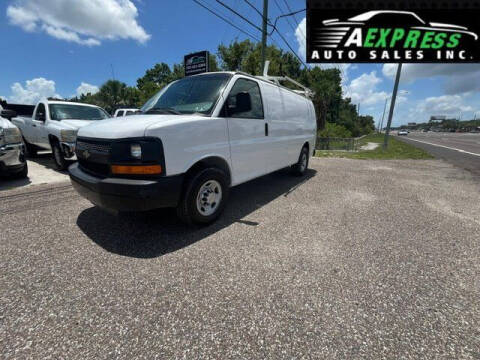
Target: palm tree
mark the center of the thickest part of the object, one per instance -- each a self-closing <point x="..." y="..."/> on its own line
<point x="113" y="94"/>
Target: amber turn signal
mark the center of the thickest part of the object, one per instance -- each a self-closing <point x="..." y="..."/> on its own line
<point x="136" y="169"/>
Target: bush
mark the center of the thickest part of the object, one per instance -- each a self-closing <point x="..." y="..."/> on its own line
<point x="334" y="131"/>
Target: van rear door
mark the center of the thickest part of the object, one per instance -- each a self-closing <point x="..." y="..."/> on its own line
<point x="248" y="133"/>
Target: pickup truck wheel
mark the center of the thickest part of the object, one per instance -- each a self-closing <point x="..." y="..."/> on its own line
<point x="204" y="198"/>
<point x="22" y="174"/>
<point x="300" y="168"/>
<point x="31" y="150"/>
<point x="60" y="161"/>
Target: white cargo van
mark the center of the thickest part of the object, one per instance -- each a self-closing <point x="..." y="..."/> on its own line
<point x="194" y="140"/>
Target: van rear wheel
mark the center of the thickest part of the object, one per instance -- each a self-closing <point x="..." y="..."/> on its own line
<point x="204" y="197"/>
<point x="301" y="167"/>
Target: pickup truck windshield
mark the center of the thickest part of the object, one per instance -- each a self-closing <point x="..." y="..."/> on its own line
<point x="66" y="111"/>
<point x="196" y="94"/>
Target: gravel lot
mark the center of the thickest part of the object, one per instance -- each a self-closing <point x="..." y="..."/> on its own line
<point x="362" y="259"/>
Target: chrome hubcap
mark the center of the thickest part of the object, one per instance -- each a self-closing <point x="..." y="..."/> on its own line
<point x="209" y="197"/>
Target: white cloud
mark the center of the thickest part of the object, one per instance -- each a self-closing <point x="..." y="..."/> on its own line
<point x="85" y="22"/>
<point x="300" y="33"/>
<point x="363" y="89"/>
<point x="86" y="88"/>
<point x="443" y="105"/>
<point x="33" y="91"/>
<point x="461" y="78"/>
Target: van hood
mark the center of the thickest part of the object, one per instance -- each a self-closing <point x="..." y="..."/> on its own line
<point x="76" y="124"/>
<point x="126" y="127"/>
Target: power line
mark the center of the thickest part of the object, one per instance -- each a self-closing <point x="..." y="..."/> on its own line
<point x="238" y="14"/>
<point x="291" y="49"/>
<point x="285" y="15"/>
<point x="254" y="8"/>
<point x="252" y="24"/>
<point x="226" y="20"/>
<point x="288" y="21"/>
<point x="294" y="18"/>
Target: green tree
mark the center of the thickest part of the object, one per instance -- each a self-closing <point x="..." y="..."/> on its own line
<point x="160" y="74"/>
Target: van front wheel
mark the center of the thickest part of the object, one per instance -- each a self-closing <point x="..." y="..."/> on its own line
<point x="204" y="198"/>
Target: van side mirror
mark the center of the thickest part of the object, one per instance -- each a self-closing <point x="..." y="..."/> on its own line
<point x="243" y="103"/>
<point x="8" y="114"/>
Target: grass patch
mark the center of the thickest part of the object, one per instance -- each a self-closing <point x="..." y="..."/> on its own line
<point x="396" y="150"/>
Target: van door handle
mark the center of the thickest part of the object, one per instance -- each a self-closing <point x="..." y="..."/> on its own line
<point x="266" y="129"/>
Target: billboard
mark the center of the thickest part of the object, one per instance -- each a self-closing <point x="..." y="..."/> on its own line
<point x="196" y="63"/>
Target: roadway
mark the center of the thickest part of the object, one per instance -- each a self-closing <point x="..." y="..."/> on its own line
<point x="459" y="149"/>
<point x="359" y="259"/>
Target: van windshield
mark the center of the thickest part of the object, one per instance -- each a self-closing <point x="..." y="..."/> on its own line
<point x="66" y="111"/>
<point x="196" y="94"/>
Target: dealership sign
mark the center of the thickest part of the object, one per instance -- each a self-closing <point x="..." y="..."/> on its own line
<point x="379" y="35"/>
<point x="196" y="63"/>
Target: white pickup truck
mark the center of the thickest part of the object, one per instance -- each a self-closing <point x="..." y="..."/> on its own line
<point x="54" y="126"/>
<point x="194" y="140"/>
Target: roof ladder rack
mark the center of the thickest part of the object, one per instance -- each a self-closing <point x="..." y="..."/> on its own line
<point x="276" y="80"/>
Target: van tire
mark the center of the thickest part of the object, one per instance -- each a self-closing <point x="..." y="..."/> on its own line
<point x="212" y="180"/>
<point x="301" y="167"/>
<point x="31" y="150"/>
<point x="58" y="158"/>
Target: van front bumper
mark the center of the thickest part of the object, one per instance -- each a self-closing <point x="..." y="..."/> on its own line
<point x="127" y="194"/>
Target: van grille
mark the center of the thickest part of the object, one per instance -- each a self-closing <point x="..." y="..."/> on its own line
<point x="93" y="156"/>
<point x="93" y="146"/>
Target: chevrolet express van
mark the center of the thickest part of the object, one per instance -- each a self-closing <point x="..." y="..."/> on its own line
<point x="194" y="140"/>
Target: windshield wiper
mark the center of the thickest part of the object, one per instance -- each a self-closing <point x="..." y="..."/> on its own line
<point x="165" y="110"/>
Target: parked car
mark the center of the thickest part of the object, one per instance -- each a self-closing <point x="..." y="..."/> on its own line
<point x="402" y="133"/>
<point x="194" y="140"/>
<point x="54" y="126"/>
<point x="12" y="152"/>
<point x="125" y="112"/>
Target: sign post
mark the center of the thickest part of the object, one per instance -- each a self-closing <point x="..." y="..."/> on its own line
<point x="196" y="63"/>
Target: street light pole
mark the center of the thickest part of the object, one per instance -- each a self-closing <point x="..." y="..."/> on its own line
<point x="392" y="105"/>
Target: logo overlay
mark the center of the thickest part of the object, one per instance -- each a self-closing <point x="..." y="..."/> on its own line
<point x="393" y="36"/>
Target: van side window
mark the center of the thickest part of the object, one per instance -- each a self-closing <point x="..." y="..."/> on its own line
<point x="252" y="88"/>
<point x="40" y="115"/>
<point x="120" y="113"/>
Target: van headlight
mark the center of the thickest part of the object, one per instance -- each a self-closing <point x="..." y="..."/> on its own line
<point x="12" y="136"/>
<point x="68" y="136"/>
<point x="136" y="151"/>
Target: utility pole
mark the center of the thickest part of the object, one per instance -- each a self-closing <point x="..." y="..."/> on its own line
<point x="384" y="110"/>
<point x="392" y="105"/>
<point x="264" y="34"/>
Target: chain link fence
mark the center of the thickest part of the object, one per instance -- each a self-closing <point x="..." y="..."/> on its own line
<point x="343" y="144"/>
